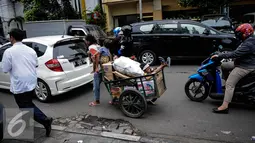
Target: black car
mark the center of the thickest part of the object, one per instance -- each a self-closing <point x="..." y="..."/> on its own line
<point x="3" y="40"/>
<point x="179" y="39"/>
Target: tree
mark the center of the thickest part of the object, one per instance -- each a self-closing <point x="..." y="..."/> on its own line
<point x="204" y="3"/>
<point x="68" y="10"/>
<point x="37" y="10"/>
<point x="54" y="10"/>
<point x="100" y="21"/>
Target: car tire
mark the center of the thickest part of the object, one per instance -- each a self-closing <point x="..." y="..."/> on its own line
<point x="42" y="91"/>
<point x="148" y="57"/>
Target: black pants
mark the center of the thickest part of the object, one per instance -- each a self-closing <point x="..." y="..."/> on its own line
<point x="24" y="100"/>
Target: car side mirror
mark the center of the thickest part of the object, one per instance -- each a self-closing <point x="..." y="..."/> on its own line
<point x="206" y="32"/>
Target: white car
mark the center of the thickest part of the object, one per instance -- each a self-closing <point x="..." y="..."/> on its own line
<point x="63" y="65"/>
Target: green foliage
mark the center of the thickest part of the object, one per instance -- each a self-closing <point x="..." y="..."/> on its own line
<point x="204" y="3"/>
<point x="101" y="21"/>
<point x="36" y="10"/>
<point x="68" y="11"/>
<point x="35" y="14"/>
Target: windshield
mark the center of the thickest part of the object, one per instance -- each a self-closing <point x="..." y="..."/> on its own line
<point x="70" y="50"/>
<point x="248" y="19"/>
<point x="216" y="21"/>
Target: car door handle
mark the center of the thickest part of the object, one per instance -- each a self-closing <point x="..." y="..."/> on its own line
<point x="157" y="37"/>
<point x="185" y="37"/>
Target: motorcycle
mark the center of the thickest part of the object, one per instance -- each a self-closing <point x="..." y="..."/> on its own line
<point x="208" y="82"/>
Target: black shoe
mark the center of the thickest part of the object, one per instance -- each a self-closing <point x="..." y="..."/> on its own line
<point x="47" y="126"/>
<point x="216" y="110"/>
<point x="150" y="102"/>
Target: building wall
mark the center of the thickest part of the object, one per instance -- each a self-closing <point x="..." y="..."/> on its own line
<point x="116" y="8"/>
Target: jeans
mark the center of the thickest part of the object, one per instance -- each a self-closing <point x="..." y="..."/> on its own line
<point x="96" y="85"/>
<point x="24" y="100"/>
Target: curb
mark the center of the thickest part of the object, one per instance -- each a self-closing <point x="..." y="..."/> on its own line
<point x="96" y="133"/>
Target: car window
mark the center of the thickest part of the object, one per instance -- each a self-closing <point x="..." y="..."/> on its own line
<point x="78" y="33"/>
<point x="194" y="29"/>
<point x="248" y="19"/>
<point x="39" y="48"/>
<point x="166" y="28"/>
<point x="70" y="50"/>
<point x="101" y="32"/>
<point x="93" y="31"/>
<point x="2" y="49"/>
<point x="147" y="28"/>
<point x="213" y="32"/>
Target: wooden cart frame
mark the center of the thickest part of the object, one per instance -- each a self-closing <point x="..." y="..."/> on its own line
<point x="133" y="98"/>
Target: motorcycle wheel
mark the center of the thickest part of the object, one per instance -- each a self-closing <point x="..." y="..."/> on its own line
<point x="195" y="87"/>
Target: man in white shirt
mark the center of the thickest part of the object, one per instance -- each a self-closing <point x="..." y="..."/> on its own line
<point x="20" y="61"/>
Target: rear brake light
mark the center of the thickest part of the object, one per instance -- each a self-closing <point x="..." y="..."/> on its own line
<point x="54" y="65"/>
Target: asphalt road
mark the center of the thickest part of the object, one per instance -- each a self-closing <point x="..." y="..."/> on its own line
<point x="173" y="115"/>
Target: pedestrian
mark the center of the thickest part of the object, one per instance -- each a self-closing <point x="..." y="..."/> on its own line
<point x="105" y="54"/>
<point x="20" y="61"/>
<point x="94" y="51"/>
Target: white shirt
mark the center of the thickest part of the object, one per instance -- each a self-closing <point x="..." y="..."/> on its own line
<point x="21" y="62"/>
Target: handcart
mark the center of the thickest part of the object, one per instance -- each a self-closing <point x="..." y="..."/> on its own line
<point x="132" y="93"/>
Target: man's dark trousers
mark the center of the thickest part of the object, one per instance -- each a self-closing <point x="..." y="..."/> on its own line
<point x="24" y="100"/>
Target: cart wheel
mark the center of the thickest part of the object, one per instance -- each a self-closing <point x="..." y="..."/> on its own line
<point x="132" y="103"/>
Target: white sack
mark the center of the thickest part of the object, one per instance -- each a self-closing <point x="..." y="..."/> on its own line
<point x="127" y="66"/>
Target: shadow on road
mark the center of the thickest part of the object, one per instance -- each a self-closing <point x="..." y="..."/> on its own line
<point x="73" y="94"/>
<point x="241" y="106"/>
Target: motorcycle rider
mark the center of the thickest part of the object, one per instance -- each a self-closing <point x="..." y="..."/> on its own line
<point x="244" y="63"/>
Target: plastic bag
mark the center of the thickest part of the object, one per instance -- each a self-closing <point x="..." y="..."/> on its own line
<point x="128" y="67"/>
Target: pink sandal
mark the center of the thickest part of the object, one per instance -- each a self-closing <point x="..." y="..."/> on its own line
<point x="94" y="103"/>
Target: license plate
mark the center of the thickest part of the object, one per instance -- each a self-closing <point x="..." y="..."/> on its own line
<point x="79" y="62"/>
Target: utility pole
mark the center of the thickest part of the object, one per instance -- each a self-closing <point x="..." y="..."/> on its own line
<point x="141" y="10"/>
<point x="101" y="6"/>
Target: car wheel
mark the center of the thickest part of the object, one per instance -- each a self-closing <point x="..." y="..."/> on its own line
<point x="42" y="91"/>
<point x="148" y="57"/>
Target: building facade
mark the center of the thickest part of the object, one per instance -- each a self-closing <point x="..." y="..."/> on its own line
<point x="122" y="12"/>
<point x="9" y="10"/>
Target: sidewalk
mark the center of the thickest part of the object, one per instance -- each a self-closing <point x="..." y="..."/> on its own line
<point x="65" y="137"/>
<point x="68" y="137"/>
<point x="92" y="129"/>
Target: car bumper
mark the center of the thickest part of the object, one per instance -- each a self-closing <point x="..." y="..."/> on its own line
<point x="62" y="84"/>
